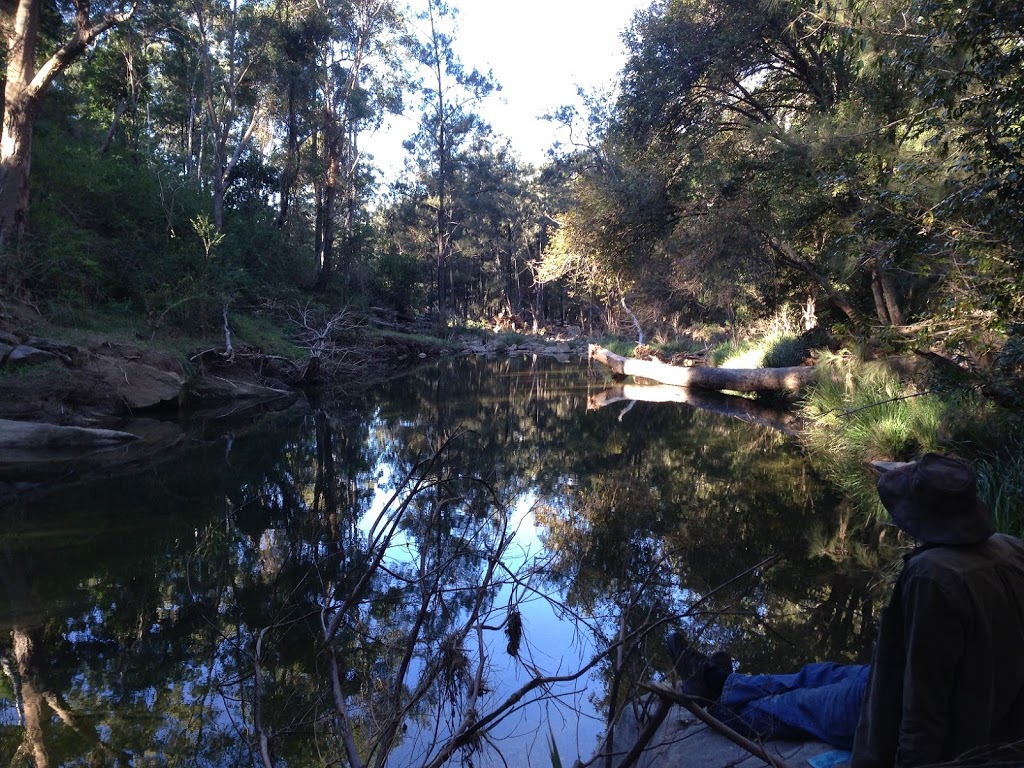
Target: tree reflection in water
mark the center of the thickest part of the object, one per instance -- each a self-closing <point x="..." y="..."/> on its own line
<point x="359" y="582"/>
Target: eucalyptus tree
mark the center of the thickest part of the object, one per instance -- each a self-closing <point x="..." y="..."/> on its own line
<point x="968" y="67"/>
<point x="734" y="103"/>
<point x="497" y="230"/>
<point x="25" y="84"/>
<point x="232" y="46"/>
<point x="304" y="30"/>
<point x="360" y="78"/>
<point x="608" y="209"/>
<point x="448" y="95"/>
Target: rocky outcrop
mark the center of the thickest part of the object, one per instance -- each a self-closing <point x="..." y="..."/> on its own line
<point x="17" y="434"/>
<point x="79" y="384"/>
<point x="100" y="381"/>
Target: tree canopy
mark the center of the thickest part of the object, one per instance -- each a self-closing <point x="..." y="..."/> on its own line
<point x="858" y="160"/>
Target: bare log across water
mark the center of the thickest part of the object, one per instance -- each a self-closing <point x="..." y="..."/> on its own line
<point x="729" y="405"/>
<point x="700" y="377"/>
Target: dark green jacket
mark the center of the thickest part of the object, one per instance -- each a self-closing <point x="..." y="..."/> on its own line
<point x="948" y="670"/>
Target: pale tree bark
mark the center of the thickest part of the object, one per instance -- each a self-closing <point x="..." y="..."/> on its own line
<point x="24" y="88"/>
<point x="341" y="151"/>
<point x="34" y="711"/>
<point x="223" y="110"/>
<point x="327" y="204"/>
<point x="883" y="290"/>
<point x="790" y="379"/>
<point x="290" y="171"/>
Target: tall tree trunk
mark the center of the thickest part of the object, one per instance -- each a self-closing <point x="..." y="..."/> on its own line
<point x="114" y="125"/>
<point x="290" y="172"/>
<point x="325" y="245"/>
<point x="876" y="293"/>
<point x="348" y="214"/>
<point x="24" y="86"/>
<point x="883" y="289"/>
<point x="441" y="145"/>
<point x="20" y="106"/>
<point x="33" y="704"/>
<point x="889" y="295"/>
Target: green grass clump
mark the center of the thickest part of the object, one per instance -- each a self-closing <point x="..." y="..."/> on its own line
<point x="784" y="352"/>
<point x="865" y="411"/>
<point x="737" y="354"/>
<point x="619" y="346"/>
<point x="678" y="347"/>
<point x="509" y="339"/>
<point x="999" y="448"/>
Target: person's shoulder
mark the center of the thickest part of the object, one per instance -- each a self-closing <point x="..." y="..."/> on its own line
<point x="998" y="548"/>
<point x="1005" y="544"/>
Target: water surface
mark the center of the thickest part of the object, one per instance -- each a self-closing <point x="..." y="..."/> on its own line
<point x="463" y="565"/>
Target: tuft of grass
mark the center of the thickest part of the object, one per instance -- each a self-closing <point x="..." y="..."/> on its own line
<point x="784" y="352"/>
<point x="509" y="339"/>
<point x="49" y="371"/>
<point x="1001" y="483"/>
<point x="865" y="411"/>
<point x="678" y="347"/>
<point x="618" y="346"/>
<point x="737" y="354"/>
<point x="556" y="759"/>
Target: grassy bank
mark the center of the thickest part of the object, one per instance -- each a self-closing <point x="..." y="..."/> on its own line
<point x="865" y="410"/>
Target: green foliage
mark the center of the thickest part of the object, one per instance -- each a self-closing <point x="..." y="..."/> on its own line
<point x="113" y="236"/>
<point x="619" y="346"/>
<point x="747" y="353"/>
<point x="395" y="280"/>
<point x="50" y="371"/>
<point x="785" y="352"/>
<point x="509" y="339"/>
<point x="677" y="347"/>
<point x="556" y="760"/>
<point x="856" y="179"/>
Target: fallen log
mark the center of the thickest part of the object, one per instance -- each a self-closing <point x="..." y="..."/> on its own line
<point x="701" y="377"/>
<point x="741" y="408"/>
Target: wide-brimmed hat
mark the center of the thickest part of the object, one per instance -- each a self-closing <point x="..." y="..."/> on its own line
<point x="935" y="499"/>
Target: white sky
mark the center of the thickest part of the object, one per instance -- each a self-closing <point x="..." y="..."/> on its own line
<point x="539" y="51"/>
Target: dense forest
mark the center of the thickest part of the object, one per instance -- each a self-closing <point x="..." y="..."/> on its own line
<point x="768" y="183"/>
<point x="841" y="165"/>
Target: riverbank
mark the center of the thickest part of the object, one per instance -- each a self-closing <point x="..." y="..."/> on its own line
<point x="71" y="377"/>
<point x="75" y="401"/>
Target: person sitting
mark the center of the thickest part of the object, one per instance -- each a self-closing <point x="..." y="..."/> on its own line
<point x="947" y="671"/>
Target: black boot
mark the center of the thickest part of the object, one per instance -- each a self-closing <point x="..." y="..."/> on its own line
<point x="700" y="676"/>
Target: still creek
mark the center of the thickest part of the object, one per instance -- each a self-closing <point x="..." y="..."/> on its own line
<point x="462" y="566"/>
